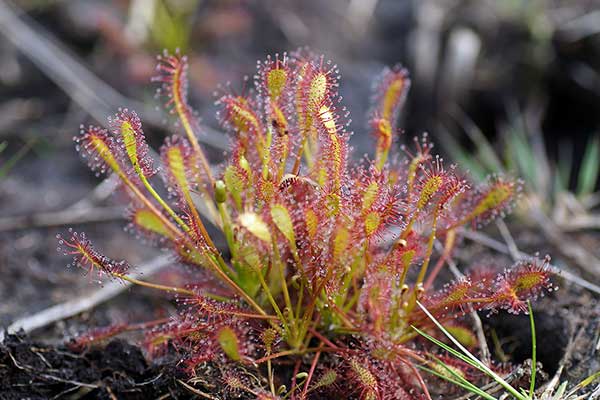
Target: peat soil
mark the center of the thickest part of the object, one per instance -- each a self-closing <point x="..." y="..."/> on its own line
<point x="118" y="370"/>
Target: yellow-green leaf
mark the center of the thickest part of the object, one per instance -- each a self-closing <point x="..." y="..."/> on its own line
<point x="229" y="343"/>
<point x="234" y="184"/>
<point x="149" y="221"/>
<point x="464" y="335"/>
<point x="255" y="225"/>
<point x="283" y="221"/>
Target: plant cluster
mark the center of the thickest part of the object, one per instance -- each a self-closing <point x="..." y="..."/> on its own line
<point x="326" y="259"/>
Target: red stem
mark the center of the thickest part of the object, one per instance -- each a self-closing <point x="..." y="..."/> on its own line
<point x="313" y="365"/>
<point x="322" y="338"/>
<point x="296" y="369"/>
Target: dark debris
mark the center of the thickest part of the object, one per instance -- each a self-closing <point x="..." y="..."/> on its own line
<point x="29" y="370"/>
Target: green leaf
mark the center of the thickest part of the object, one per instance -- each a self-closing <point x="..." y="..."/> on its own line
<point x="463" y="334"/>
<point x="462" y="383"/>
<point x="171" y="26"/>
<point x="235" y="184"/>
<point x="589" y="379"/>
<point x="561" y="391"/>
<point x="229" y="343"/>
<point x="590" y="168"/>
<point x="581" y="384"/>
<point x="524" y="157"/>
<point x="256" y="226"/>
<point x="470" y="386"/>
<point x="564" y="167"/>
<point x="485" y="151"/>
<point x="533" y="351"/>
<point x="283" y="222"/>
<point x="12" y="161"/>
<point x="149" y="221"/>
<point x="467" y="355"/>
<point x="449" y="349"/>
<point x="463" y="158"/>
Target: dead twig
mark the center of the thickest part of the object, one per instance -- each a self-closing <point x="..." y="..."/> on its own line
<point x="580" y="222"/>
<point x="549" y="388"/>
<point x="110" y="393"/>
<point x="502" y="248"/>
<point x="101" y="192"/>
<point x="51" y="377"/>
<point x="69" y="390"/>
<point x="150" y="381"/>
<point x="78" y="305"/>
<point x="483" y="346"/>
<point x="196" y="391"/>
<point x="69" y="216"/>
<point x="570" y="248"/>
<point x="95" y="96"/>
<point x="511" y="245"/>
<point x="69" y="381"/>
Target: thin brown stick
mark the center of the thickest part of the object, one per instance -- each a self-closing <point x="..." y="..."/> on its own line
<point x="196" y="391"/>
<point x="313" y="365"/>
<point x="69" y="216"/>
<point x="585" y="260"/>
<point x="86" y="302"/>
<point x="511" y="245"/>
<point x="502" y="248"/>
<point x="91" y="93"/>
<point x="483" y="346"/>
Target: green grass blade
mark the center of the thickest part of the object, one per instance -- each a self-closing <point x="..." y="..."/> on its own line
<point x="564" y="166"/>
<point x="449" y="349"/>
<point x="561" y="391"/>
<point x="467" y="353"/>
<point x="533" y="351"/>
<point x="485" y="151"/>
<point x="590" y="168"/>
<point x="458" y="377"/>
<point x="584" y="383"/>
<point x="9" y="165"/>
<point x="589" y="379"/>
<point x="524" y="157"/>
<point x="463" y="158"/>
<point x="467" y="386"/>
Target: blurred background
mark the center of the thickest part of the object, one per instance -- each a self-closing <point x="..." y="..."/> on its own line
<point x="501" y="86"/>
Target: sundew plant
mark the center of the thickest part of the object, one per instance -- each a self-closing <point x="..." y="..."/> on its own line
<point x="327" y="258"/>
